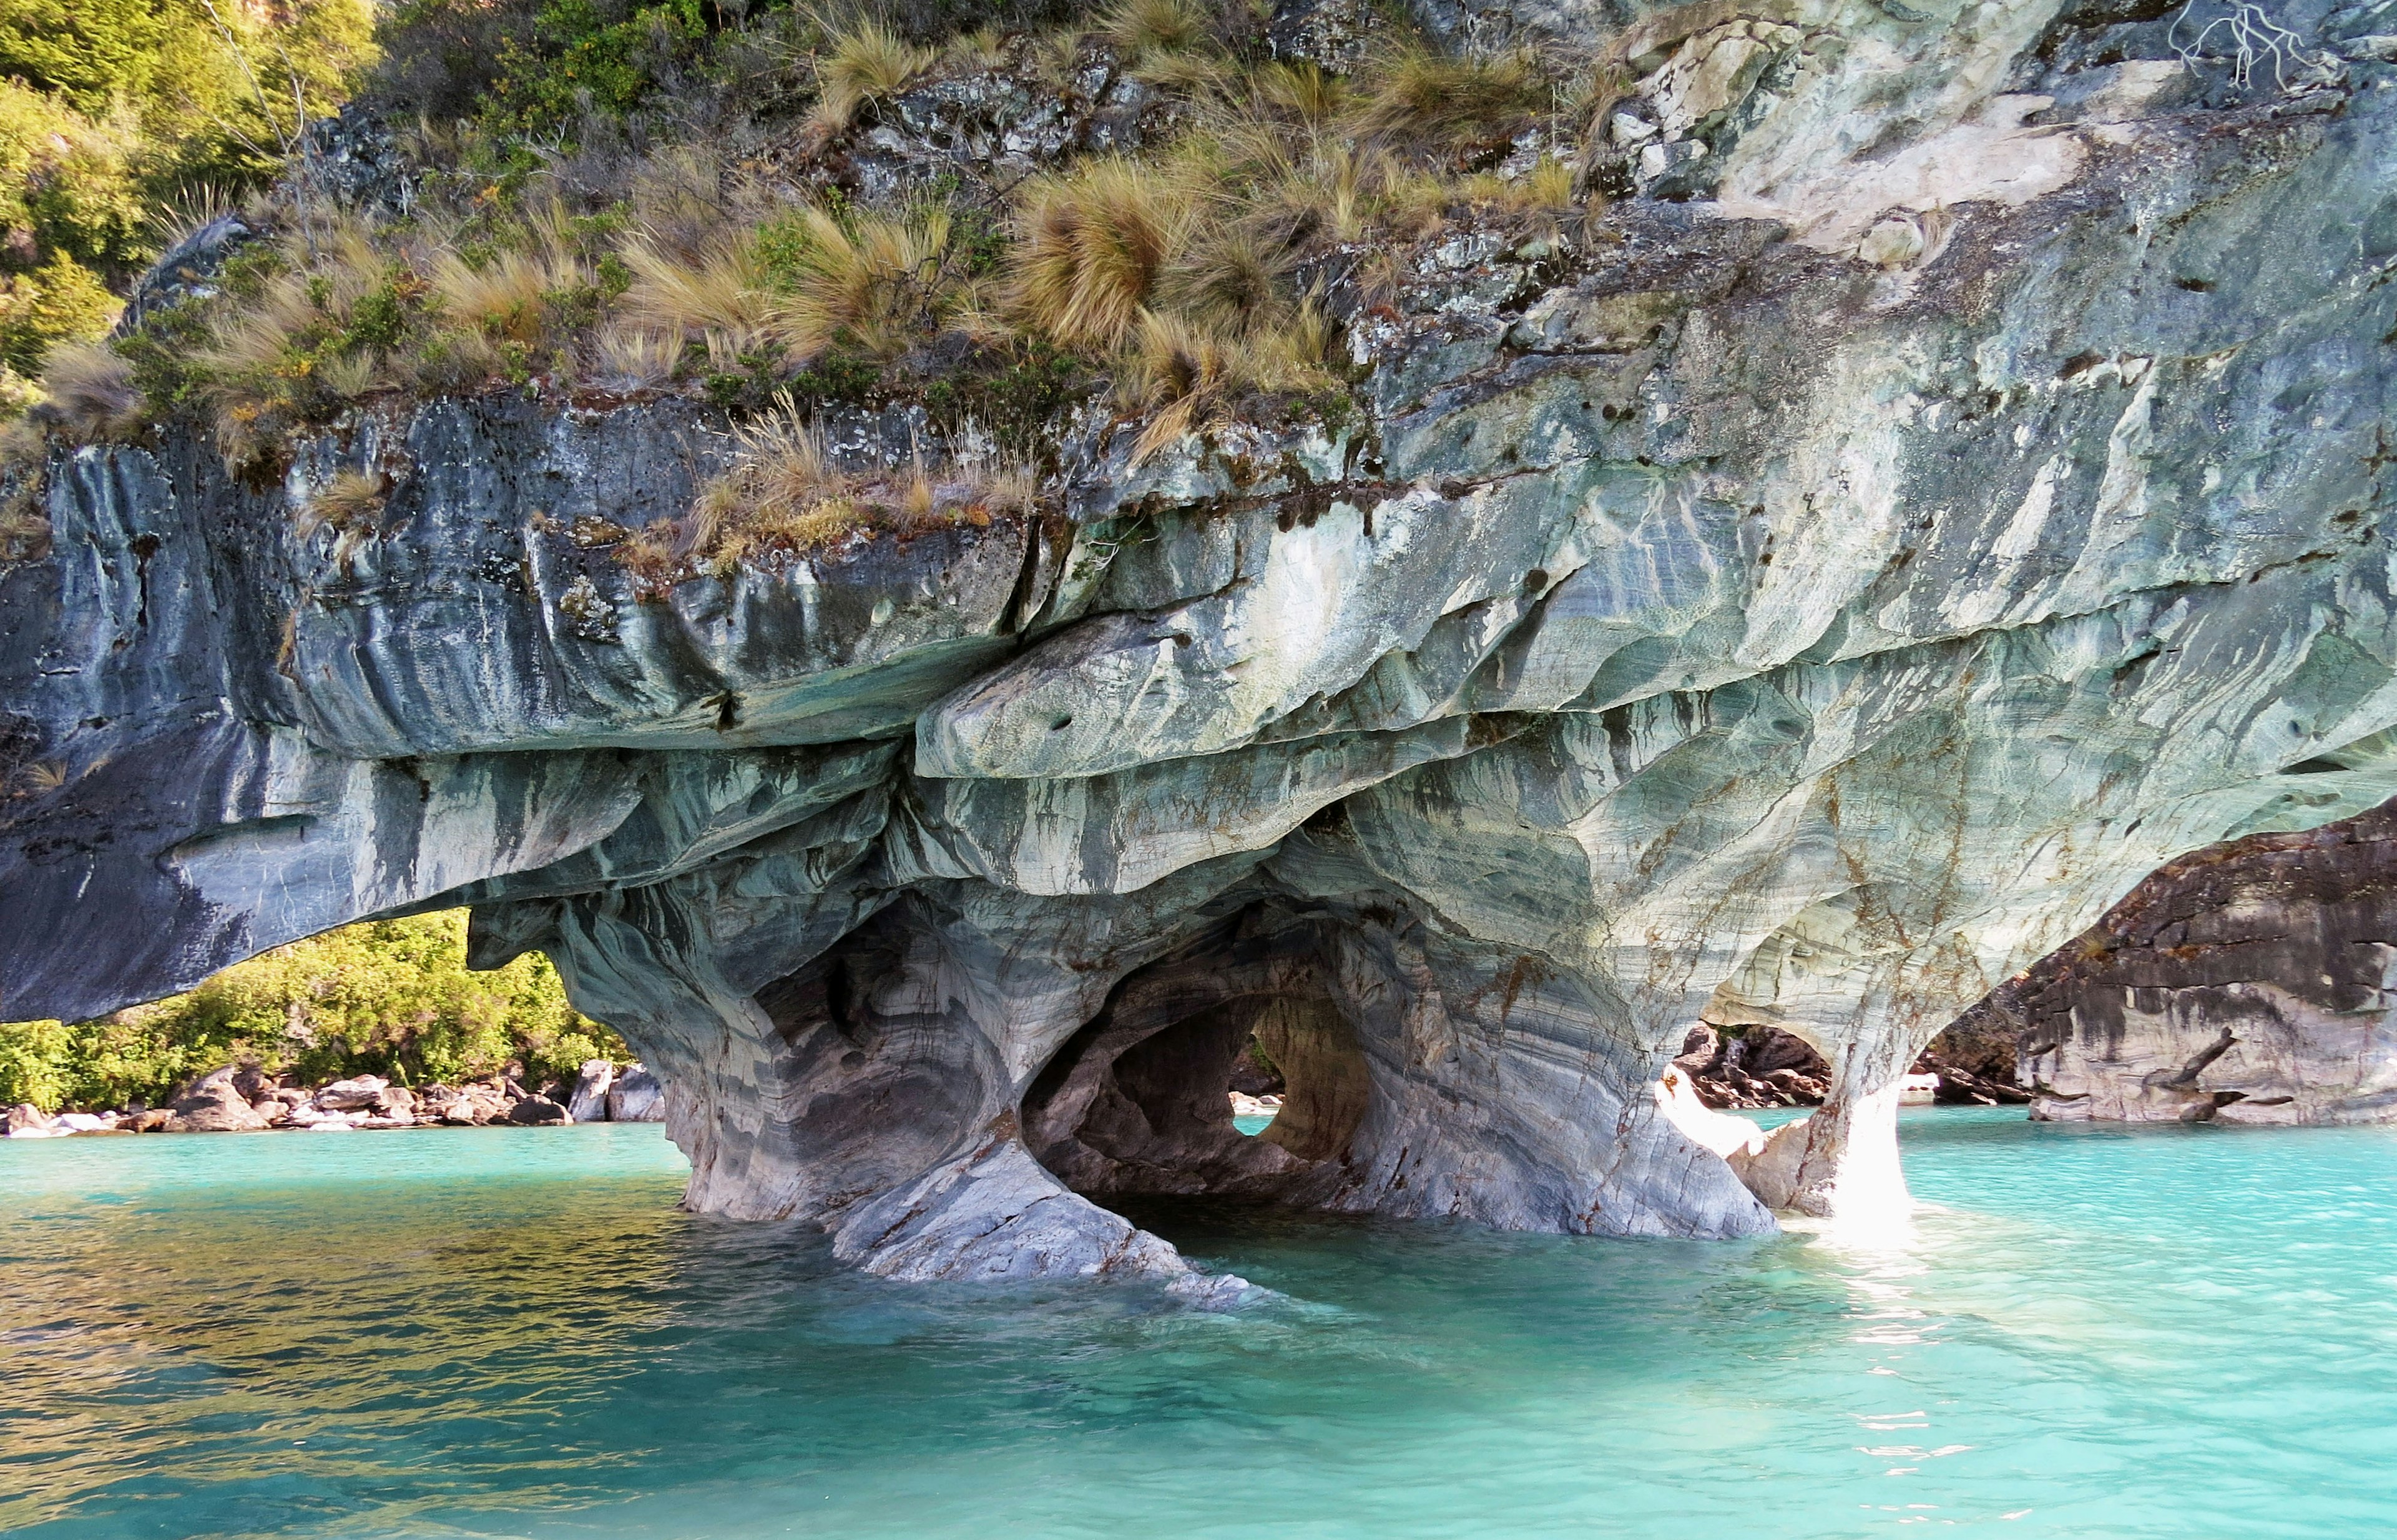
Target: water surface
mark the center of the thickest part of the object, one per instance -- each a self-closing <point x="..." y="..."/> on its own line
<point x="2099" y="1332"/>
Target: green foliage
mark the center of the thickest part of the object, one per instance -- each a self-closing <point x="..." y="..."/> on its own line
<point x="112" y="109"/>
<point x="59" y="301"/>
<point x="1016" y="398"/>
<point x="599" y="52"/>
<point x="390" y="998"/>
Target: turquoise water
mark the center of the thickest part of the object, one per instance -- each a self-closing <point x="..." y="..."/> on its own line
<point x="2175" y="1332"/>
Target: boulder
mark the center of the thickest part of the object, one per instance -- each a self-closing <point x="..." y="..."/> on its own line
<point x="351" y="1095"/>
<point x="214" y="1104"/>
<point x="636" y="1097"/>
<point x="84" y="1123"/>
<point x="588" y="1104"/>
<point x="25" y="1118"/>
<point x="537" y="1110"/>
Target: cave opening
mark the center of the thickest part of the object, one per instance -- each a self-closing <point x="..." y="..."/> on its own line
<point x="1141" y="1099"/>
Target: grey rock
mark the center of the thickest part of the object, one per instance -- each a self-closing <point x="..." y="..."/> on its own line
<point x="636" y="1097"/>
<point x="213" y="1103"/>
<point x="351" y="1095"/>
<point x="589" y="1101"/>
<point x="2242" y="984"/>
<point x="1698" y="621"/>
<point x="188" y="269"/>
<point x="533" y="1110"/>
<point x="23" y="1118"/>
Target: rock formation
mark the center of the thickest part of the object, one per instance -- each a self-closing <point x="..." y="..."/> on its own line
<point x="2246" y="982"/>
<point x="1950" y="480"/>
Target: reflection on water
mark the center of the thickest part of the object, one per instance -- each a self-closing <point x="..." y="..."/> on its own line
<point x="471" y="1332"/>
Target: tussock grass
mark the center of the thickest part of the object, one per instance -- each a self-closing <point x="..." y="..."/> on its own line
<point x="1193" y="276"/>
<point x="347" y="501"/>
<point x="1412" y="91"/>
<point x="1184" y="378"/>
<point x="88" y="395"/>
<point x="874" y="285"/>
<point x="718" y="296"/>
<point x="1145" y="29"/>
<point x="1090" y="244"/>
<point x="867" y="62"/>
<point x="782" y="496"/>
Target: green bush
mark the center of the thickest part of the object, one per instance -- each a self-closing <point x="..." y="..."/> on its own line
<point x="392" y="997"/>
<point x="603" y="52"/>
<point x="60" y="302"/>
<point x="112" y="111"/>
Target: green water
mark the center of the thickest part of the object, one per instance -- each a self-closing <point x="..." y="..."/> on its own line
<point x="2178" y="1331"/>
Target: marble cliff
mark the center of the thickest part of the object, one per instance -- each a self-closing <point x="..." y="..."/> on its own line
<point x="1952" y="479"/>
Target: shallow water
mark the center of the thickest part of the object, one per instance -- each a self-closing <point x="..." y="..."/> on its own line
<point x="2175" y="1332"/>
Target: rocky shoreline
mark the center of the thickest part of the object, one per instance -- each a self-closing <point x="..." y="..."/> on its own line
<point x="1764" y="1066"/>
<point x="245" y="1099"/>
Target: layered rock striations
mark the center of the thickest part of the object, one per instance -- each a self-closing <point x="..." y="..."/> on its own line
<point x="2246" y="982"/>
<point x="1951" y="479"/>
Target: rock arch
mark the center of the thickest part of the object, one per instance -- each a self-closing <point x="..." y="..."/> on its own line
<point x="1705" y="617"/>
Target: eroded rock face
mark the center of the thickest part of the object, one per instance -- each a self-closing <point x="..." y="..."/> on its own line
<point x="2247" y="983"/>
<point x="1748" y="611"/>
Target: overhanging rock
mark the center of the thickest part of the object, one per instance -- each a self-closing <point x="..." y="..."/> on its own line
<point x="1758" y="611"/>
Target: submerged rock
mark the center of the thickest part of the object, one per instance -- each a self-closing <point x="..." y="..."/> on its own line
<point x="1951" y="479"/>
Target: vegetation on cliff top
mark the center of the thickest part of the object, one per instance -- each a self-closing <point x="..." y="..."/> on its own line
<point x="614" y="198"/>
<point x="391" y="998"/>
<point x="113" y="113"/>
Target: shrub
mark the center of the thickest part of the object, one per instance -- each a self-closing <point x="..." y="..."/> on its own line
<point x="70" y="186"/>
<point x="390" y="998"/>
<point x="59" y="301"/>
<point x="606" y="56"/>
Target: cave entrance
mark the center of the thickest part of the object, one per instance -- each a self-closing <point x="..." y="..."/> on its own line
<point x="1141" y="1099"/>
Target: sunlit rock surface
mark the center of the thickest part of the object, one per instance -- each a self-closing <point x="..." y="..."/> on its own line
<point x="1951" y="479"/>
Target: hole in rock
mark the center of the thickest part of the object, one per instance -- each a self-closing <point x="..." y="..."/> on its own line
<point x="1141" y="1099"/>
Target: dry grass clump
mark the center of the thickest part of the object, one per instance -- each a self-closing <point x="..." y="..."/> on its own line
<point x="865" y="62"/>
<point x="1091" y="243"/>
<point x="1184" y="378"/>
<point x="1142" y="30"/>
<point x="1415" y="92"/>
<point x="88" y="395"/>
<point x="352" y="311"/>
<point x="716" y="294"/>
<point x="783" y="496"/>
<point x="348" y="501"/>
<point x="874" y="285"/>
